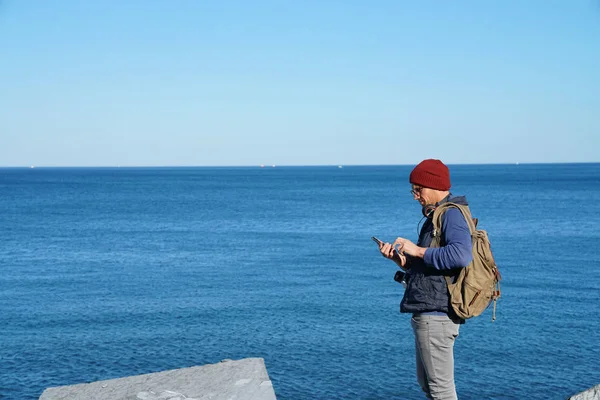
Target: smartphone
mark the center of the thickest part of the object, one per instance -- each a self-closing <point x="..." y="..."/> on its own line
<point x="379" y="242"/>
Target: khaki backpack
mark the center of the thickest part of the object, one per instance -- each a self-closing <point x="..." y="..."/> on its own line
<point x="477" y="285"/>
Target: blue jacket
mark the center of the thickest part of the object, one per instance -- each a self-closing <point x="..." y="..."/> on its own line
<point x="426" y="289"/>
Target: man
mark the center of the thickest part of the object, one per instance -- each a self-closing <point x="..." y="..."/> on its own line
<point x="426" y="297"/>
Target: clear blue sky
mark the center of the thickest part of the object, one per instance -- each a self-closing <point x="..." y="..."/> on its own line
<point x="87" y="83"/>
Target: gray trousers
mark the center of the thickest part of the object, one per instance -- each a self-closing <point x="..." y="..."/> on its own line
<point x="434" y="344"/>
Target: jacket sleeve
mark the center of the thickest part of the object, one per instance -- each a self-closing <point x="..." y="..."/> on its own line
<point x="458" y="248"/>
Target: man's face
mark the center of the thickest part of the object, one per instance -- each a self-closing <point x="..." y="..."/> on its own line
<point x="423" y="195"/>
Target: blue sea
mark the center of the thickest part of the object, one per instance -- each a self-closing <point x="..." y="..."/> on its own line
<point x="113" y="272"/>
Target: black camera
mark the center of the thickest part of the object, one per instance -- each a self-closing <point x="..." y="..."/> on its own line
<point x="399" y="277"/>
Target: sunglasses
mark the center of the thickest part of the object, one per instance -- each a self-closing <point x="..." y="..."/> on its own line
<point x="416" y="191"/>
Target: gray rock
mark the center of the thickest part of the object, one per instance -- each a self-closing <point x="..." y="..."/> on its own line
<point x="245" y="379"/>
<point x="590" y="394"/>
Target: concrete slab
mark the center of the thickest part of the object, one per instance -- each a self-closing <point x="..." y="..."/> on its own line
<point x="590" y="394"/>
<point x="245" y="379"/>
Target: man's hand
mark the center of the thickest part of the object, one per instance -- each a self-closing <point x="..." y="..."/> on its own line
<point x="387" y="250"/>
<point x="406" y="246"/>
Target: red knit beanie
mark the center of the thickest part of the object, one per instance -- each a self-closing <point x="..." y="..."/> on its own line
<point x="431" y="174"/>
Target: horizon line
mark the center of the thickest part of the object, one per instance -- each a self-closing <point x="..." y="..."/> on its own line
<point x="284" y="165"/>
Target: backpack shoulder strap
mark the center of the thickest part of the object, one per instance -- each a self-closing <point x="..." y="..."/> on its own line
<point x="439" y="212"/>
